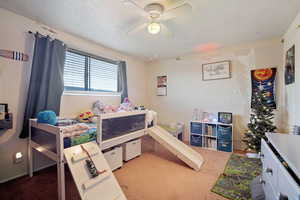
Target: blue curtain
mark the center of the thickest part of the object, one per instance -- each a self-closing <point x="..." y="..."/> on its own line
<point x="46" y="81"/>
<point x="122" y="82"/>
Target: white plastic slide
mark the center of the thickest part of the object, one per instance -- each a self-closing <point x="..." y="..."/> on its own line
<point x="175" y="146"/>
<point x="103" y="186"/>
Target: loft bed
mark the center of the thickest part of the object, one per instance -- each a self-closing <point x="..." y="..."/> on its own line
<point x="110" y="130"/>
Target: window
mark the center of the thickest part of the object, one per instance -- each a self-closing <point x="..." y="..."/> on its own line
<point x="84" y="72"/>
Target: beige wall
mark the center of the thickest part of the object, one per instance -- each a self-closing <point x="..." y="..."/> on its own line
<point x="14" y="78"/>
<point x="187" y="91"/>
<point x="292" y="94"/>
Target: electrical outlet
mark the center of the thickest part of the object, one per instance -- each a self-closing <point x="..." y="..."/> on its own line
<point x="18" y="157"/>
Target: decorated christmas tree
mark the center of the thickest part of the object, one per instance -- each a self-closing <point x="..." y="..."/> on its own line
<point x="261" y="122"/>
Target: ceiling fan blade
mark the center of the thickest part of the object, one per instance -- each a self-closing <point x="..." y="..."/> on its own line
<point x="184" y="9"/>
<point x="135" y="4"/>
<point x="170" y="4"/>
<point x="137" y="28"/>
<point x="166" y="31"/>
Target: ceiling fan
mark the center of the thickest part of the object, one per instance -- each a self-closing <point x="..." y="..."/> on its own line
<point x="155" y="14"/>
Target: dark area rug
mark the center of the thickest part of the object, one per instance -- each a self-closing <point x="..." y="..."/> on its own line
<point x="234" y="183"/>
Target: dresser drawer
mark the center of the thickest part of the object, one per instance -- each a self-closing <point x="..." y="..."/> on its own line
<point x="286" y="185"/>
<point x="270" y="165"/>
<point x="268" y="189"/>
<point x="276" y="177"/>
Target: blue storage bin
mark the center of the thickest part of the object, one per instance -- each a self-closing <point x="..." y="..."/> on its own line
<point x="224" y="132"/>
<point x="196" y="140"/>
<point x="196" y="128"/>
<point x="225" y="145"/>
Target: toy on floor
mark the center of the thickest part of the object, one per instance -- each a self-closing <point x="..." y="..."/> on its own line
<point x="85" y="117"/>
<point x="47" y="117"/>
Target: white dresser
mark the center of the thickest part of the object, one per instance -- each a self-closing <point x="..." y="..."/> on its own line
<point x="281" y="167"/>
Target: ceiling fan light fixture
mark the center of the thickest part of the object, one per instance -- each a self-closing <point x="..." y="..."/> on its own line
<point x="154" y="28"/>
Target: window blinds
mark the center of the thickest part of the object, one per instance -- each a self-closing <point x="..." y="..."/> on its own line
<point x="83" y="72"/>
<point x="103" y="76"/>
<point x="74" y="71"/>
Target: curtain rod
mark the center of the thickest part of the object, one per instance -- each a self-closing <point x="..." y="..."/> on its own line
<point x="46" y="29"/>
<point x="85" y="53"/>
<point x="30" y="32"/>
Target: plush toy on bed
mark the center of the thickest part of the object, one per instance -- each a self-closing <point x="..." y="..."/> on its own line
<point x="110" y="109"/>
<point x="126" y="105"/>
<point x="98" y="107"/>
<point x="47" y="117"/>
<point x="85" y="117"/>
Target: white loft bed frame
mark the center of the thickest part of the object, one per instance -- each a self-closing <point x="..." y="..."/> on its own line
<point x="58" y="156"/>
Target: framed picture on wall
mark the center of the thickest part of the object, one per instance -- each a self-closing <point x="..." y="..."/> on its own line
<point x="3" y="110"/>
<point x="225" y="117"/>
<point x="289" y="71"/>
<point x="216" y="70"/>
<point x="161" y="86"/>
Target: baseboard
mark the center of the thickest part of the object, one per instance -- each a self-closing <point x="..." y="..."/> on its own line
<point x="12" y="178"/>
<point x="44" y="167"/>
<point x="26" y="173"/>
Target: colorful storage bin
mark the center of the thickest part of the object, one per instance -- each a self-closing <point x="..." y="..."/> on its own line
<point x="196" y="128"/>
<point x="225" y="145"/>
<point x="196" y="140"/>
<point x="224" y="132"/>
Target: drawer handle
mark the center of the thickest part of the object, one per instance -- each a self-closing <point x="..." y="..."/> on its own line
<point x="283" y="197"/>
<point x="113" y="153"/>
<point x="262" y="181"/>
<point x="269" y="170"/>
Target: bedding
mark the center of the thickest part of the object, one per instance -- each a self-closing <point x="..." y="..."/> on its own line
<point x="85" y="132"/>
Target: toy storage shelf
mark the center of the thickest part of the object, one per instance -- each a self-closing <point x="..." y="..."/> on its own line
<point x="212" y="135"/>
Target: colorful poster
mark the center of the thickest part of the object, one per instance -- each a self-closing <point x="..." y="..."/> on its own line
<point x="162" y="86"/>
<point x="264" y="80"/>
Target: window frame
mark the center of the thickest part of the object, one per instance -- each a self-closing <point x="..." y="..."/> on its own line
<point x="87" y="78"/>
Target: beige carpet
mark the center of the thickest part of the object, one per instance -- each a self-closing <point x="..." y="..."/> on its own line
<point x="158" y="175"/>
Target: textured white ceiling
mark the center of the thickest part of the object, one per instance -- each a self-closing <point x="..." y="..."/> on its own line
<point x="212" y="23"/>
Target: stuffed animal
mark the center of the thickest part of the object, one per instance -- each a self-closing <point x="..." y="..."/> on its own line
<point x="98" y="107"/>
<point x="126" y="105"/>
<point x="47" y="117"/>
<point x="110" y="109"/>
<point x="85" y="117"/>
